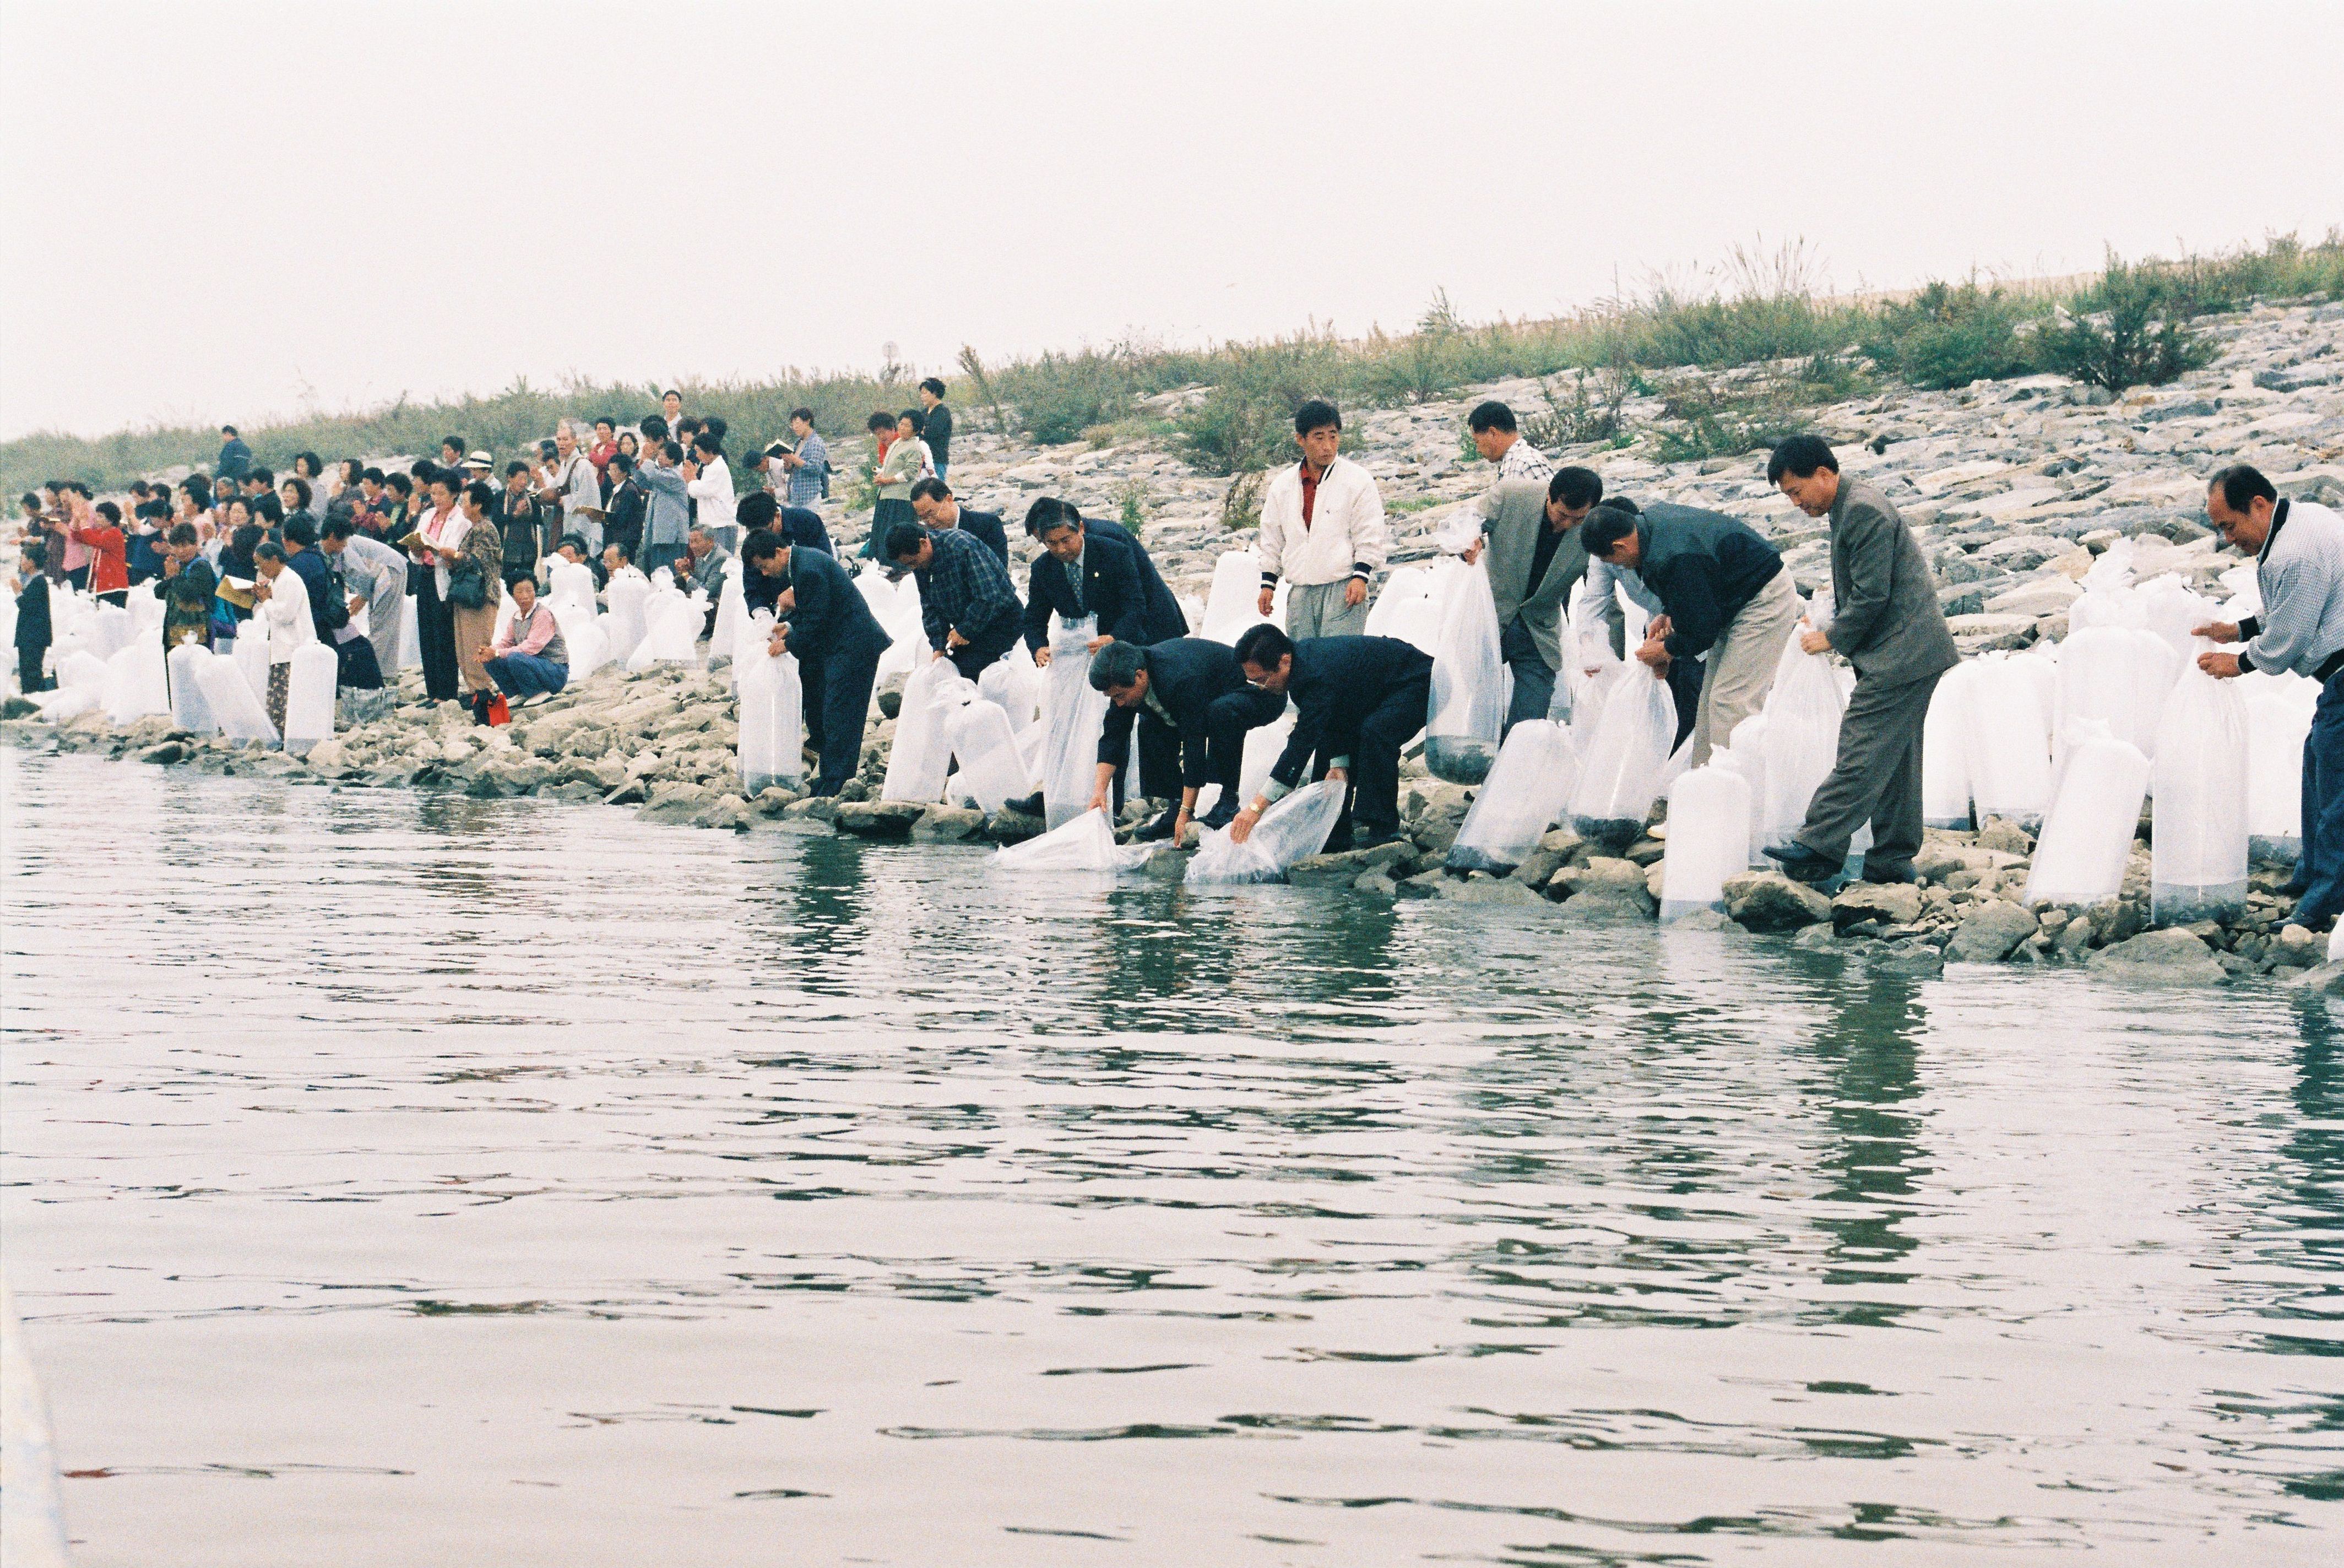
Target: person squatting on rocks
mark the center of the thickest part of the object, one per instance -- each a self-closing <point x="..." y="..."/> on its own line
<point x="1723" y="594"/>
<point x="2298" y="549"/>
<point x="823" y="622"/>
<point x="1357" y="700"/>
<point x="1887" y="623"/>
<point x="1189" y="701"/>
<point x="529" y="660"/>
<point x="1322" y="528"/>
<point x="967" y="603"/>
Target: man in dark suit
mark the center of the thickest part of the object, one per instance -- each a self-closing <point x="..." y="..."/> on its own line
<point x="1077" y="575"/>
<point x="1188" y="700"/>
<point x="1887" y="622"/>
<point x="824" y="623"/>
<point x="933" y="503"/>
<point x="1357" y="700"/>
<point x="1165" y="620"/>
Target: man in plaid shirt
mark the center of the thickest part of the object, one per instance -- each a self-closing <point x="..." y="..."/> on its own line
<point x="809" y="466"/>
<point x="967" y="603"/>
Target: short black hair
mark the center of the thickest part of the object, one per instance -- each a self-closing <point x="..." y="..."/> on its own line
<point x="29" y="498"/>
<point x="268" y="549"/>
<point x="622" y="462"/>
<point x="1799" y="457"/>
<point x="1492" y="415"/>
<point x="758" y="508"/>
<point x="655" y="428"/>
<point x="626" y="551"/>
<point x="111" y="512"/>
<point x="423" y="470"/>
<point x="929" y="488"/>
<point x="905" y="539"/>
<point x="1605" y="527"/>
<point x="1050" y="512"/>
<point x="1263" y="646"/>
<point x="259" y="476"/>
<point x="338" y="526"/>
<point x="1117" y="666"/>
<point x="671" y="451"/>
<point x="375" y="475"/>
<point x="1575" y="487"/>
<point x="403" y="484"/>
<point x="803" y="412"/>
<point x="760" y="544"/>
<point x="709" y="441"/>
<point x="514" y="467"/>
<point x="459" y="442"/>
<point x="301" y="530"/>
<point x="317" y="464"/>
<point x="227" y="429"/>
<point x="1317" y="415"/>
<point x="153" y="509"/>
<point x="670" y="392"/>
<point x="35" y="555"/>
<point x="479" y="494"/>
<point x="934" y="384"/>
<point x="184" y="533"/>
<point x="714" y="425"/>
<point x="2241" y="484"/>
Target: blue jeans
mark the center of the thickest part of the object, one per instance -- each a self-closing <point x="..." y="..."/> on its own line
<point x="2322" y="868"/>
<point x="1533" y="677"/>
<point x="526" y="675"/>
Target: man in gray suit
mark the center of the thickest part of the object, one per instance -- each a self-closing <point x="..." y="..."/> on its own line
<point x="1535" y="563"/>
<point x="1887" y="623"/>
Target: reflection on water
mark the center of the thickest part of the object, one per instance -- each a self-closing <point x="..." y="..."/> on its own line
<point x="398" y="1179"/>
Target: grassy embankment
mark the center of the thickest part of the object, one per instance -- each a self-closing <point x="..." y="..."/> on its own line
<point x="1766" y="344"/>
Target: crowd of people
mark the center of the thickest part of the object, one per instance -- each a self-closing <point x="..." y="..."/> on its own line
<point x="662" y="496"/>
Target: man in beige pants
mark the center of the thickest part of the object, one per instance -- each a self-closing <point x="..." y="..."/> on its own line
<point x="1726" y="595"/>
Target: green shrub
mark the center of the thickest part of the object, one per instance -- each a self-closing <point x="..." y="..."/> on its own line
<point x="2128" y="329"/>
<point x="1233" y="432"/>
<point x="1714" y="421"/>
<point x="1949" y="337"/>
<point x="1059" y="395"/>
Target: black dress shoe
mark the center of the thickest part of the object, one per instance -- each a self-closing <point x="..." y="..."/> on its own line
<point x="1890" y="873"/>
<point x="1160" y="828"/>
<point x="1030" y="806"/>
<point x="1376" y="840"/>
<point x="1800" y="865"/>
<point x="1224" y="812"/>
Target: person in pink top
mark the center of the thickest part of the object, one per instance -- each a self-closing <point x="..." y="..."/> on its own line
<point x="529" y="662"/>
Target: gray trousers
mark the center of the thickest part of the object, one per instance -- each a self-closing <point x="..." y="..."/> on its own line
<point x="1878" y="777"/>
<point x="1740" y="665"/>
<point x="1317" y="610"/>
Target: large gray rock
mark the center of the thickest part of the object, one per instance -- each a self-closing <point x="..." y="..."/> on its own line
<point x="1346" y="868"/>
<point x="1990" y="931"/>
<point x="1889" y="903"/>
<point x="1769" y="901"/>
<point x="2167" y="957"/>
<point x="948" y="824"/>
<point x="878" y="818"/>
<point x="1602" y="874"/>
<point x="676" y="803"/>
<point x="1605" y="908"/>
<point x="1493" y="891"/>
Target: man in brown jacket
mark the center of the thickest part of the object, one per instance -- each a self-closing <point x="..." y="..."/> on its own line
<point x="1887" y="623"/>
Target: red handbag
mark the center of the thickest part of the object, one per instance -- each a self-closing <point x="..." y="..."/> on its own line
<point x="500" y="712"/>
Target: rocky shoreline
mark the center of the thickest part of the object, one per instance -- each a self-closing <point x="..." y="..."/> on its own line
<point x="2013" y="488"/>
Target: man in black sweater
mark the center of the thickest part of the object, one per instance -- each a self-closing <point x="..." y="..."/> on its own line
<point x="1188" y="700"/>
<point x="1357" y="700"/>
<point x="1725" y="595"/>
<point x="936" y="425"/>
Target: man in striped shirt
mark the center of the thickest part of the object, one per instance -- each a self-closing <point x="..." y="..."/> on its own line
<point x="1499" y="440"/>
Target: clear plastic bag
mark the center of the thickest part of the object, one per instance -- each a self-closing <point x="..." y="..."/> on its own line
<point x="1083" y="843"/>
<point x="110" y="631"/>
<point x="1076" y="715"/>
<point x="1801" y="739"/>
<point x="2275" y="729"/>
<point x="673" y="637"/>
<point x="1528" y="787"/>
<point x="309" y="697"/>
<point x="731" y="611"/>
<point x="984" y="751"/>
<point x="1014" y="683"/>
<point x="583" y="636"/>
<point x="1234" y="604"/>
<point x="251" y="654"/>
<point x="1409" y="608"/>
<point x="772" y="746"/>
<point x="569" y="582"/>
<point x="136" y="685"/>
<point x="919" y="756"/>
<point x="1294" y="828"/>
<point x="1709" y="837"/>
<point x="189" y="708"/>
<point x="629" y="595"/>
<point x="2118" y="676"/>
<point x="1466" y="715"/>
<point x="234" y="704"/>
<point x="2094" y="809"/>
<point x="2009" y="750"/>
<point x="1945" y="751"/>
<point x="410" y="634"/>
<point x="2198" y="843"/>
<point x="1620" y="766"/>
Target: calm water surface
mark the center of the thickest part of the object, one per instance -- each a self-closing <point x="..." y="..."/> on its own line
<point x="406" y="1180"/>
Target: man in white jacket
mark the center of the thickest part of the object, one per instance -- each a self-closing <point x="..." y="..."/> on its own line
<point x="1322" y="528"/>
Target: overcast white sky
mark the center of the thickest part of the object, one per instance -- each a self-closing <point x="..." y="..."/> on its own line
<point x="239" y="208"/>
